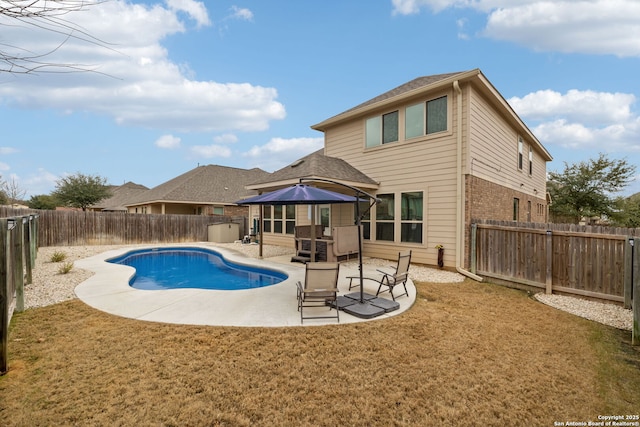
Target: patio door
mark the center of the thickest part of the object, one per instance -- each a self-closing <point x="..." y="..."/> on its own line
<point x="324" y="218"/>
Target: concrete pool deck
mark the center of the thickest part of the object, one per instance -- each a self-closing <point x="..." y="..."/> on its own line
<point x="108" y="290"/>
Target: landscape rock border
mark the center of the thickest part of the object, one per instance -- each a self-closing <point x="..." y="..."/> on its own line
<point x="50" y="287"/>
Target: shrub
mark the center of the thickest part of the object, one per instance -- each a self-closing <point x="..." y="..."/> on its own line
<point x="58" y="256"/>
<point x="65" y="268"/>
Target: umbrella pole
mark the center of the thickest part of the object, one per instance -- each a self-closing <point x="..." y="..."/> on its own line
<point x="313" y="234"/>
<point x="359" y="224"/>
<point x="260" y="226"/>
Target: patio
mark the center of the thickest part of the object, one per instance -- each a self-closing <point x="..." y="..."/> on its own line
<point x="272" y="306"/>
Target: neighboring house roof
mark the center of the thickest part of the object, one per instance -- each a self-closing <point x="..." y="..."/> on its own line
<point x="120" y="196"/>
<point x="315" y="165"/>
<point x="422" y="85"/>
<point x="207" y="184"/>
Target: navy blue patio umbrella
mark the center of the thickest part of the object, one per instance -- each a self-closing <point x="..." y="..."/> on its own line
<point x="301" y="194"/>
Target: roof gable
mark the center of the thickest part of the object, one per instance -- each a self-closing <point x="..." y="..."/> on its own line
<point x="316" y="165"/>
<point x="423" y="85"/>
<point x="205" y="184"/>
<point x="120" y="196"/>
<point x="418" y="84"/>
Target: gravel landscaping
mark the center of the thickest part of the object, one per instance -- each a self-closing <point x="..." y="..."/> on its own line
<point x="50" y="287"/>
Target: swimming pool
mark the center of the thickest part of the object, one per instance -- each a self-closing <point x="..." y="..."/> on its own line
<point x="180" y="268"/>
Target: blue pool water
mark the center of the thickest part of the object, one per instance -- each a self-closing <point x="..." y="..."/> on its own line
<point x="177" y="268"/>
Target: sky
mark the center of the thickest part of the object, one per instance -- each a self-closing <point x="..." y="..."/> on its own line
<point x="149" y="90"/>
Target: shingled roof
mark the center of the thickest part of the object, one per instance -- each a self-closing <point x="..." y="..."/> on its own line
<point x="205" y="184"/>
<point x="316" y="165"/>
<point x="120" y="196"/>
<point x="415" y="84"/>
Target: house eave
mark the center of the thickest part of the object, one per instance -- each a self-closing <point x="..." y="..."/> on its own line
<point x="514" y="116"/>
<point x="348" y="115"/>
<point x="271" y="186"/>
<point x="176" y="202"/>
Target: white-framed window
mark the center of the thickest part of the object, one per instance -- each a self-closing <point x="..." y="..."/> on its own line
<point x="520" y="153"/>
<point x="218" y="210"/>
<point x="426" y="118"/>
<point x="409" y="220"/>
<point x="365" y="213"/>
<point x="290" y="219"/>
<point x="411" y="208"/>
<point x="279" y="219"/>
<point x="385" y="217"/>
<point x="324" y="216"/>
<point x="382" y="129"/>
<point x="530" y="160"/>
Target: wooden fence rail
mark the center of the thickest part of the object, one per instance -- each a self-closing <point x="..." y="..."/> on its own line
<point x="17" y="259"/>
<point x="73" y="228"/>
<point x="586" y="261"/>
<point x="555" y="257"/>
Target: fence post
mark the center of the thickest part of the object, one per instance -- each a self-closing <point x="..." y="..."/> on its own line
<point x="27" y="251"/>
<point x="628" y="271"/>
<point x="4" y="298"/>
<point x="635" y="296"/>
<point x="474" y="231"/>
<point x="18" y="263"/>
<point x="549" y="273"/>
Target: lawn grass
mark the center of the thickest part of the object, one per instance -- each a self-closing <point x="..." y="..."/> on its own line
<point x="464" y="354"/>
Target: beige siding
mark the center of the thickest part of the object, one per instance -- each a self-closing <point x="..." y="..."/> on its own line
<point x="341" y="214"/>
<point x="493" y="149"/>
<point x="426" y="164"/>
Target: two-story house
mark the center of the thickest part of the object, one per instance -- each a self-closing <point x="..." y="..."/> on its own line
<point x="438" y="152"/>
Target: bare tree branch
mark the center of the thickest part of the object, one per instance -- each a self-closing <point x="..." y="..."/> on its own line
<point x="48" y="15"/>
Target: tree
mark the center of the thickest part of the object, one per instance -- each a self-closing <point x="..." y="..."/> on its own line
<point x="49" y="15"/>
<point x="587" y="189"/>
<point x="13" y="192"/>
<point x="43" y="201"/>
<point x="3" y="196"/>
<point x="81" y="191"/>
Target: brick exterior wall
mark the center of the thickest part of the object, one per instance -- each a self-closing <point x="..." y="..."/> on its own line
<point x="236" y="211"/>
<point x="487" y="200"/>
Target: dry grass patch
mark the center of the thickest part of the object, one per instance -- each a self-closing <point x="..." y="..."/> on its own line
<point x="465" y="354"/>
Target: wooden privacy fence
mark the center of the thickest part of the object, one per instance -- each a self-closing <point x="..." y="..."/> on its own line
<point x="588" y="261"/>
<point x="595" y="262"/>
<point x="69" y="228"/>
<point x="18" y="250"/>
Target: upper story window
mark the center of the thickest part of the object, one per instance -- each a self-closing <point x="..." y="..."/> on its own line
<point x="431" y="116"/>
<point x="382" y="129"/>
<point x="520" y="152"/>
<point x="530" y="160"/>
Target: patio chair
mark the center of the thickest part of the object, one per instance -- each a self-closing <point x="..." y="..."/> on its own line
<point x="320" y="289"/>
<point x="398" y="277"/>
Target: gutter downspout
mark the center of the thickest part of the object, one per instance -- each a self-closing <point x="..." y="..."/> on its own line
<point x="460" y="190"/>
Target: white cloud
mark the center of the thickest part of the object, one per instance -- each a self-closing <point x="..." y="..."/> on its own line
<point x="241" y="13"/>
<point x="42" y="182"/>
<point x="194" y="9"/>
<point x="227" y="138"/>
<point x="461" y="24"/>
<point x="4" y="167"/>
<point x="134" y="82"/>
<point x="169" y="142"/>
<point x="7" y="150"/>
<point x="589" y="106"/>
<point x="582" y="119"/>
<point x="585" y="26"/>
<point x="279" y="152"/>
<point x="210" y="151"/>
